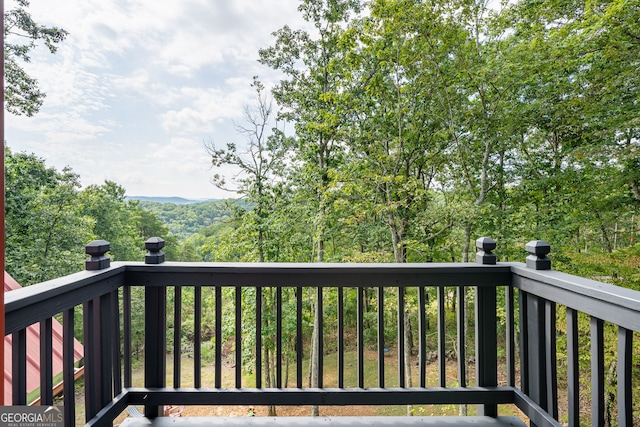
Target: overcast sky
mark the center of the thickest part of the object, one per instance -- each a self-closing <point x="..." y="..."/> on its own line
<point x="139" y="85"/>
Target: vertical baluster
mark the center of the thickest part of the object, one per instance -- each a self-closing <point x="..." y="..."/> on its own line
<point x="115" y="343"/>
<point x="197" y="337"/>
<point x="340" y="337"/>
<point x="401" y="366"/>
<point x="238" y="369"/>
<point x="46" y="362"/>
<point x="259" y="337"/>
<point x="91" y="359"/>
<point x="106" y="323"/>
<point x="442" y="362"/>
<point x="177" y="336"/>
<point x="126" y="314"/>
<point x="68" y="365"/>
<point x="279" y="337"/>
<point x="552" y="367"/>
<point x="299" y="348"/>
<point x="510" y="338"/>
<point x="573" y="368"/>
<point x="537" y="354"/>
<point x="381" y="345"/>
<point x="320" y="340"/>
<point x="19" y="367"/>
<point x="360" y="301"/>
<point x="625" y="377"/>
<point x="422" y="335"/>
<point x="462" y="342"/>
<point x="524" y="342"/>
<point x="218" y="361"/>
<point x="597" y="372"/>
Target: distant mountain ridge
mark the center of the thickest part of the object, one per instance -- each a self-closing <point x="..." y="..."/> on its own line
<point x="174" y="200"/>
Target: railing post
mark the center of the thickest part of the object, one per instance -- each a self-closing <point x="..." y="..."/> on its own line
<point x="486" y="328"/>
<point x="94" y="345"/>
<point x="97" y="249"/>
<point x="154" y="253"/>
<point x="155" y="327"/>
<point x="538" y="346"/>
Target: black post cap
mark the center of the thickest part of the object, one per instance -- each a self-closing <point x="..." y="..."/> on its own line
<point x="485" y="246"/>
<point x="154" y="254"/>
<point x="538" y="250"/>
<point x="97" y="249"/>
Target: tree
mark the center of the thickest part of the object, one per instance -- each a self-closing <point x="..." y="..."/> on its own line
<point x="46" y="229"/>
<point x="22" y="34"/>
<point x="310" y="97"/>
<point x="260" y="165"/>
<point x="116" y="220"/>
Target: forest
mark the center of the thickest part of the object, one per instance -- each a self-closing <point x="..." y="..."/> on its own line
<point x="420" y="126"/>
<point x="417" y="128"/>
<point x="412" y="129"/>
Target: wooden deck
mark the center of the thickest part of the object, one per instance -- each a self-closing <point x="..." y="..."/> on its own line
<point x="324" y="421"/>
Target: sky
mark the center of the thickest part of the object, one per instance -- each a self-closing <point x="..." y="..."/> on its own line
<point x="139" y="86"/>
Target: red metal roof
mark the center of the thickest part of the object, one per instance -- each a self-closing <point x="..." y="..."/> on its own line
<point x="33" y="350"/>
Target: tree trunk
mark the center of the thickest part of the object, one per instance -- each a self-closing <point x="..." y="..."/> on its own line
<point x="605" y="235"/>
<point x="609" y="396"/>
<point x="635" y="186"/>
<point x="467" y="243"/>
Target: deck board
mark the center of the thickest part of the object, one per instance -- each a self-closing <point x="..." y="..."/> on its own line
<point x="324" y="421"/>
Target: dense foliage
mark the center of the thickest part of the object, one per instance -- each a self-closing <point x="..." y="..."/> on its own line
<point x="49" y="220"/>
<point x="420" y="126"/>
<point x="184" y="220"/>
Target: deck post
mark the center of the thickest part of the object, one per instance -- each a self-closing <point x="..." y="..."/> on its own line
<point x="155" y="327"/>
<point x="537" y="346"/>
<point x="95" y="324"/>
<point x="486" y="328"/>
<point x="155" y="321"/>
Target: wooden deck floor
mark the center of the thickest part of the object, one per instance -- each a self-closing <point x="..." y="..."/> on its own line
<point x="324" y="421"/>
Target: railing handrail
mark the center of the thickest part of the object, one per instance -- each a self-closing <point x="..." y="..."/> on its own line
<point x="31" y="304"/>
<point x="607" y="302"/>
<point x="319" y="274"/>
<point x="613" y="303"/>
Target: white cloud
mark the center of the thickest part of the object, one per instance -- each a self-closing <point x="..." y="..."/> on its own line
<point x="140" y="84"/>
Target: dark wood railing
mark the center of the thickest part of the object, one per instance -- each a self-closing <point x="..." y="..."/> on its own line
<point x="531" y="297"/>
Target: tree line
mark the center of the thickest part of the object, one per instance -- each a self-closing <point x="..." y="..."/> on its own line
<point x="419" y="126"/>
<point x="49" y="220"/>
